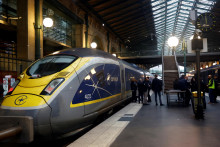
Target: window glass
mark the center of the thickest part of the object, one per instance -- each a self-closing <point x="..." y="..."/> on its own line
<point x="63" y="29"/>
<point x="50" y="65"/>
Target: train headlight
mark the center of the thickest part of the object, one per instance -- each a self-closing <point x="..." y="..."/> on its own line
<point x="52" y="86"/>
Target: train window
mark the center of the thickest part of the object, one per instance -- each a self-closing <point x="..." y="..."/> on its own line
<point x="49" y="65"/>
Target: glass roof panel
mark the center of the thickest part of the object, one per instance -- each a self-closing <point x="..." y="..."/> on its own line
<point x="174" y="19"/>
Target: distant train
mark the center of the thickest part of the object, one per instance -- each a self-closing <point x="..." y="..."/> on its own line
<point x="68" y="89"/>
<point x="214" y="71"/>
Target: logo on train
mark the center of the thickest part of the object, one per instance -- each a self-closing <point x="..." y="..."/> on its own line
<point x="21" y="100"/>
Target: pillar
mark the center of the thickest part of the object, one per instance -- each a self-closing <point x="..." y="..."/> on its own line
<point x="26" y="29"/>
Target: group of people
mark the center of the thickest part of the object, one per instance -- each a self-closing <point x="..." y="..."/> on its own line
<point x="183" y="84"/>
<point x="211" y="87"/>
<point x="144" y="87"/>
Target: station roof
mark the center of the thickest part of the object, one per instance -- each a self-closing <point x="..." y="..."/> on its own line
<point x="145" y="25"/>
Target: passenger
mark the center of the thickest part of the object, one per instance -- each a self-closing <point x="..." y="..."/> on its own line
<point x="146" y="88"/>
<point x="176" y="87"/>
<point x="203" y="89"/>
<point x="157" y="87"/>
<point x="175" y="84"/>
<point x="216" y="88"/>
<point x="183" y="85"/>
<point x="193" y="84"/>
<point x="134" y="89"/>
<point x="211" y="87"/>
<point x="149" y="88"/>
<point x="140" y="90"/>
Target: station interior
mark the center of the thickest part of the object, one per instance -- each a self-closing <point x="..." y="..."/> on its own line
<point x="166" y="39"/>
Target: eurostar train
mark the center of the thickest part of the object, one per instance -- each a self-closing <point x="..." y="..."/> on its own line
<point x="68" y="89"/>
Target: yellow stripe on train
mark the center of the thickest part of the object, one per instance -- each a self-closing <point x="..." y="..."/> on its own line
<point x="94" y="101"/>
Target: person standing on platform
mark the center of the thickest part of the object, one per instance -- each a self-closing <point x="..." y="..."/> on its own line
<point x="148" y="90"/>
<point x="140" y="90"/>
<point x="193" y="84"/>
<point x="157" y="87"/>
<point x="134" y="89"/>
<point x="216" y="86"/>
<point x="211" y="87"/>
<point x="184" y="86"/>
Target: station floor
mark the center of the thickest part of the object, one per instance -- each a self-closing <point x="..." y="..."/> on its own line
<point x="139" y="125"/>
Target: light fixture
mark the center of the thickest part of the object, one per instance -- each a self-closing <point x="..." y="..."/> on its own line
<point x="206" y="66"/>
<point x="114" y="55"/>
<point x="93" y="45"/>
<point x="173" y="41"/>
<point x="200" y="67"/>
<point x="48" y="22"/>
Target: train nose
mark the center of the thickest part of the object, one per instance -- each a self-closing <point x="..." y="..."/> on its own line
<point x="28" y="105"/>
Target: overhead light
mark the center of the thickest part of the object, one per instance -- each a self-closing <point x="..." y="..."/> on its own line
<point x="173" y="41"/>
<point x="48" y="22"/>
<point x="93" y="44"/>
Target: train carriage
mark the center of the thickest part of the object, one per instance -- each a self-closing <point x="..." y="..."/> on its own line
<point x="67" y="90"/>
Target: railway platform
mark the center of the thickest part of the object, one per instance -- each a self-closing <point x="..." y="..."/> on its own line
<point x="155" y="126"/>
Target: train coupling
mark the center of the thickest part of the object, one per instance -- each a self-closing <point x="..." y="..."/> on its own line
<point x="20" y="127"/>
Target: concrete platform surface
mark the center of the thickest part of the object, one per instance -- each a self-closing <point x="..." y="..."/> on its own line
<point x="174" y="126"/>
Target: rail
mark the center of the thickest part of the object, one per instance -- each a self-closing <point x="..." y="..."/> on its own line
<point x="163" y="73"/>
<point x="177" y="65"/>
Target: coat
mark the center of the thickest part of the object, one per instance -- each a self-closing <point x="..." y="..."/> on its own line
<point x="157" y="84"/>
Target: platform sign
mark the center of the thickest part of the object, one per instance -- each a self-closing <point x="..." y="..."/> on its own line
<point x="204" y="47"/>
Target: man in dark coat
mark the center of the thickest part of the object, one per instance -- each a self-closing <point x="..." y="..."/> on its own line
<point x="141" y="88"/>
<point x="134" y="89"/>
<point x="183" y="85"/>
<point x="216" y="88"/>
<point x="147" y="84"/>
<point x="157" y="87"/>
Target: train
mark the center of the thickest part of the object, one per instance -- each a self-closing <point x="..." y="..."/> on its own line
<point x="212" y="70"/>
<point x="68" y="90"/>
<point x="215" y="72"/>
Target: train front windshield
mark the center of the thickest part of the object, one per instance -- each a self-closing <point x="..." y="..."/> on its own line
<point x="50" y="65"/>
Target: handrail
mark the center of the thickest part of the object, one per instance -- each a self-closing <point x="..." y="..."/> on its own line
<point x="177" y="65"/>
<point x="163" y="72"/>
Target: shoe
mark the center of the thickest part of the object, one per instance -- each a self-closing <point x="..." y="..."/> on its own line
<point x="156" y="104"/>
<point x="209" y="103"/>
<point x="161" y="104"/>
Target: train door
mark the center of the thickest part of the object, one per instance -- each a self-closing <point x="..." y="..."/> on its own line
<point x="122" y="75"/>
